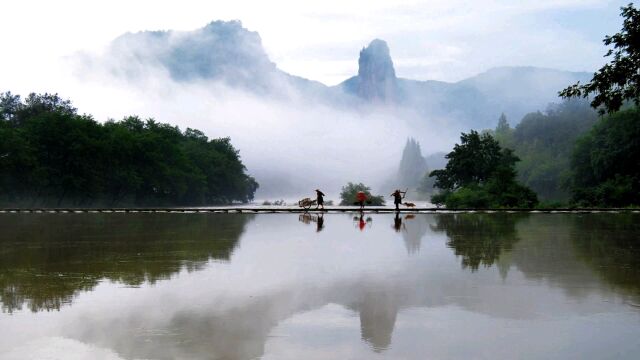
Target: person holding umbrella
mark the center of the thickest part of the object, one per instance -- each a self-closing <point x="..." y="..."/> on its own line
<point x="361" y="197"/>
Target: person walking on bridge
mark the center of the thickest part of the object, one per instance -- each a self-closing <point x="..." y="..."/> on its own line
<point x="397" y="197"/>
<point x="320" y="199"/>
<point x="361" y="197"/>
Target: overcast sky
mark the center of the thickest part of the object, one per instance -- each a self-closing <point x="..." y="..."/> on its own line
<point x="438" y="39"/>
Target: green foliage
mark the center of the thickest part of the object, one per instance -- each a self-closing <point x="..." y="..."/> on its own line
<point x="52" y="156"/>
<point x="544" y="143"/>
<point x="491" y="195"/>
<point x="605" y="164"/>
<point x="481" y="174"/>
<point x="619" y="80"/>
<point x="349" y="191"/>
<point x="468" y="197"/>
<point x="552" y="205"/>
<point x="440" y="198"/>
<point x="471" y="162"/>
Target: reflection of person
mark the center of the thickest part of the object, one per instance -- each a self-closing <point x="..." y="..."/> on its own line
<point x="361" y="222"/>
<point x="320" y="223"/>
<point x="397" y="222"/>
<point x="397" y="198"/>
<point x="361" y="197"/>
<point x="320" y="199"/>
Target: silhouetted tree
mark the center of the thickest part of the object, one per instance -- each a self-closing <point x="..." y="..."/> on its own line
<point x="503" y="125"/>
<point x="619" y="80"/>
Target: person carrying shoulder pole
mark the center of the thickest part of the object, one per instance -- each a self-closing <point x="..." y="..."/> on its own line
<point x="397" y="197"/>
<point x="320" y="198"/>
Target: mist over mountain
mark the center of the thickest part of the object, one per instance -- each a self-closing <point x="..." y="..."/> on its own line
<point x="475" y="102"/>
<point x="517" y="91"/>
<point x="221" y="51"/>
<point x="225" y="51"/>
<point x="220" y="79"/>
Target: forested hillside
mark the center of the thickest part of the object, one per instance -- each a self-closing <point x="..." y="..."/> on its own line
<point x="52" y="156"/>
<point x="605" y="164"/>
<point x="544" y="143"/>
<point x="569" y="155"/>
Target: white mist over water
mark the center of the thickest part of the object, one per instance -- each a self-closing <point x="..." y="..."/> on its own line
<point x="290" y="144"/>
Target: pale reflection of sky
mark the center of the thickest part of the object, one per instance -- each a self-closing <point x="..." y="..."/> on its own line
<point x="291" y="292"/>
<point x="450" y="332"/>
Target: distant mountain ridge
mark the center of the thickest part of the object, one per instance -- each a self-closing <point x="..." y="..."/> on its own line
<point x="222" y="51"/>
<point x="226" y="51"/>
<point x="478" y="101"/>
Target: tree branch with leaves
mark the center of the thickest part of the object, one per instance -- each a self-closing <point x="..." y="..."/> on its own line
<point x="619" y="80"/>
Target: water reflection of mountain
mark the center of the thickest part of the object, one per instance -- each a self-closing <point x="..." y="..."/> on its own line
<point x="242" y="330"/>
<point x="45" y="259"/>
<point x="562" y="251"/>
<point x="413" y="229"/>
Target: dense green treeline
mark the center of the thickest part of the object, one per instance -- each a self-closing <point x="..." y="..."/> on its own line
<point x="52" y="156"/>
<point x="544" y="143"/>
<point x="572" y="157"/>
<point x="605" y="164"/>
<point x="567" y="155"/>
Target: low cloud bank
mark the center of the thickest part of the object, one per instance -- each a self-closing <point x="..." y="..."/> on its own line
<point x="292" y="145"/>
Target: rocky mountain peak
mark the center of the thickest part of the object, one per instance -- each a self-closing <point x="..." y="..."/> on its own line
<point x="375" y="62"/>
<point x="376" y="78"/>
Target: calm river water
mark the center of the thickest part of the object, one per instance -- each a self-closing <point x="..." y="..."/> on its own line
<point x="281" y="286"/>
